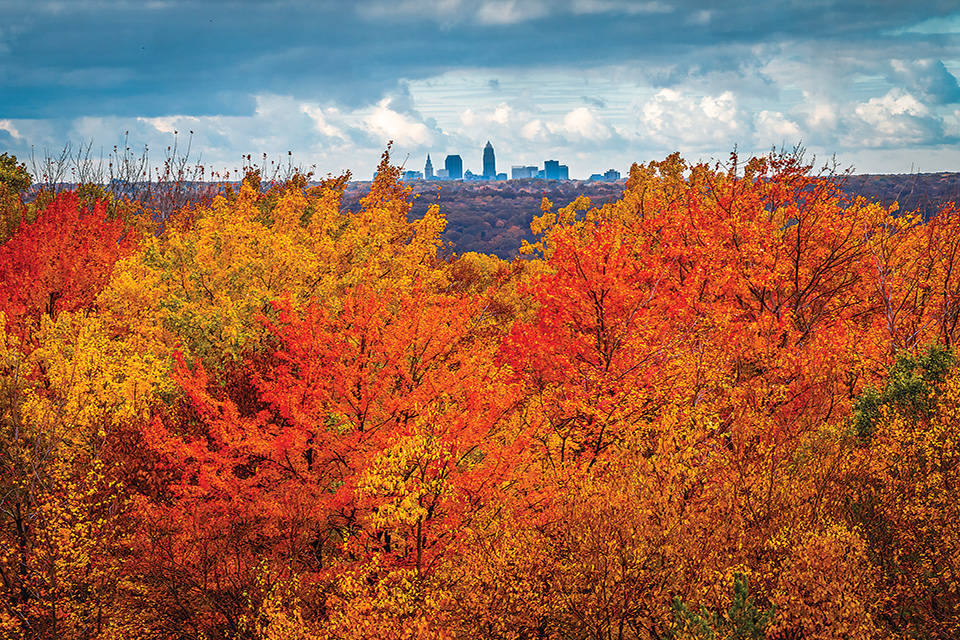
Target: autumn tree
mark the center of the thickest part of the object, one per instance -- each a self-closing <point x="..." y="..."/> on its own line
<point x="901" y="490"/>
<point x="60" y="262"/>
<point x="14" y="180"/>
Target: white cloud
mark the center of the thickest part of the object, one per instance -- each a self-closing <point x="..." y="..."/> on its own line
<point x="321" y="120"/>
<point x="502" y="114"/>
<point x="533" y="130"/>
<point x="436" y="9"/>
<point x="618" y="6"/>
<point x="673" y="117"/>
<point x="775" y="128"/>
<point x="896" y="102"/>
<point x="166" y="124"/>
<point x="486" y="12"/>
<point x="7" y="125"/>
<point x="399" y="127"/>
<point x="817" y="115"/>
<point x="510" y="11"/>
<point x="896" y="118"/>
<point x="928" y="78"/>
<point x="523" y="129"/>
<point x="585" y="124"/>
<point x="504" y="12"/>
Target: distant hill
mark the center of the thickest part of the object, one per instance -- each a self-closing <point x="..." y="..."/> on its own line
<point x="493" y="217"/>
<point x="924" y="192"/>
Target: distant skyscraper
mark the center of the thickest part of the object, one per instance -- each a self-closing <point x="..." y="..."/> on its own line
<point x="551" y="169"/>
<point x="489" y="163"/>
<point x="428" y="169"/>
<point x="454" y="167"/>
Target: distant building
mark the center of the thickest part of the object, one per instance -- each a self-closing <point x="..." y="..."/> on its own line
<point x="501" y="176"/>
<point x="428" y="169"/>
<point x="454" y="167"/>
<point x="489" y="163"/>
<point x="443" y="174"/>
<point x="610" y="175"/>
<point x="564" y="172"/>
<point x="518" y="172"/>
<point x="410" y="176"/>
<point x="551" y="169"/>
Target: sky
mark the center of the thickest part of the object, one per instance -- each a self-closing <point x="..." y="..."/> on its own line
<point x="595" y="84"/>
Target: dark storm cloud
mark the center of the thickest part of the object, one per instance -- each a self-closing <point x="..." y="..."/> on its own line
<point x="200" y="58"/>
<point x="67" y="59"/>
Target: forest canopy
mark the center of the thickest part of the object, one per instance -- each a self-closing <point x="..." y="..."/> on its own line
<point x="723" y="404"/>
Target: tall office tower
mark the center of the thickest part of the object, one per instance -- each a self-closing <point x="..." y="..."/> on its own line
<point x="489" y="163"/>
<point x="551" y="169"/>
<point x="454" y="167"/>
<point x="428" y="169"/>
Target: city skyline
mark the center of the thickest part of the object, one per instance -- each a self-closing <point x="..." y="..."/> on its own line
<point x="595" y="83"/>
<point x="453" y="170"/>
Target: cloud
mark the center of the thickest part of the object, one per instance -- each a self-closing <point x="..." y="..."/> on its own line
<point x="534" y="130"/>
<point x="526" y="136"/>
<point x="501" y="115"/>
<point x="331" y="138"/>
<point x="582" y="124"/>
<point x="895" y="119"/>
<point x="675" y="118"/>
<point x="580" y="137"/>
<point x="599" y="103"/>
<point x="321" y="120"/>
<point x="434" y="9"/>
<point x="818" y="115"/>
<point x="503" y="12"/>
<point x="6" y="125"/>
<point x="629" y="7"/>
<point x="932" y="26"/>
<point x="399" y="127"/>
<point x="775" y="128"/>
<point x="926" y="78"/>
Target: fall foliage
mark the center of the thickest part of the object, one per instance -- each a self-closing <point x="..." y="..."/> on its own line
<point x="723" y="405"/>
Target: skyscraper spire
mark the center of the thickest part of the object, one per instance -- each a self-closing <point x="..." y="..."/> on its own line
<point x="428" y="169"/>
<point x="489" y="163"/>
